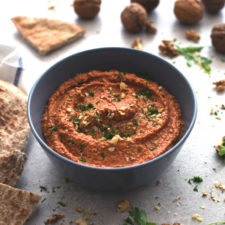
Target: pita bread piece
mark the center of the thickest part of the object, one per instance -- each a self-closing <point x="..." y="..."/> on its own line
<point x="46" y="34"/>
<point x="16" y="205"/>
<point x="14" y="131"/>
<point x="11" y="166"/>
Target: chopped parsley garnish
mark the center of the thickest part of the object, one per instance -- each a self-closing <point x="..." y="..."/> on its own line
<point x="97" y="102"/>
<point x="54" y="188"/>
<point x="96" y="118"/>
<point x="146" y="93"/>
<point x="83" y="160"/>
<point x="72" y="118"/>
<point x="61" y="204"/>
<point x="137" y="216"/>
<point x="152" y="148"/>
<point x="119" y="75"/>
<point x="135" y="122"/>
<point x="90" y="105"/>
<point x="102" y="128"/>
<point x="196" y="179"/>
<point x="43" y="200"/>
<point x="80" y="84"/>
<point x="53" y="128"/>
<point x="92" y="94"/>
<point x="152" y="111"/>
<point x="83" y="108"/>
<point x="76" y="121"/>
<point x="43" y="189"/>
<point x="53" y="115"/>
<point x="141" y="131"/>
<point x="195" y="188"/>
<point x="125" y="134"/>
<point x="93" y="131"/>
<point x="114" y="128"/>
<point x="108" y="135"/>
<point x="71" y="141"/>
<point x="102" y="155"/>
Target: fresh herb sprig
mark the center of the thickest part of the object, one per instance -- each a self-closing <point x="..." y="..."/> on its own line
<point x="137" y="216"/>
<point x="193" y="56"/>
<point x="216" y="223"/>
<point x="222" y="148"/>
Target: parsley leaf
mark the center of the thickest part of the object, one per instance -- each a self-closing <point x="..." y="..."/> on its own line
<point x="222" y="151"/>
<point x="137" y="216"/>
<point x="216" y="223"/>
<point x="191" y="56"/>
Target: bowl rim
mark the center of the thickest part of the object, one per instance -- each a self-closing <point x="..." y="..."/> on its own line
<point x="67" y="160"/>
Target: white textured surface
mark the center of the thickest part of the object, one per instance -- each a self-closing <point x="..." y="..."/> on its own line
<point x="197" y="157"/>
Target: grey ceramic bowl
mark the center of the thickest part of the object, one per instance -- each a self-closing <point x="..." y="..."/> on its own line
<point x="122" y="59"/>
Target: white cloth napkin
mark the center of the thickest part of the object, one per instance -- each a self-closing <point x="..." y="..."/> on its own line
<point x="11" y="65"/>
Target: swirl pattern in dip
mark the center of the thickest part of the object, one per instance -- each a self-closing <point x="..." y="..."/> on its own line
<point x="111" y="119"/>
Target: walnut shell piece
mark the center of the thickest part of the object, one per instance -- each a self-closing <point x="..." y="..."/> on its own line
<point x="218" y="37"/>
<point x="149" y="5"/>
<point x="213" y="6"/>
<point x="134" y="17"/>
<point x="87" y="9"/>
<point x="188" y="11"/>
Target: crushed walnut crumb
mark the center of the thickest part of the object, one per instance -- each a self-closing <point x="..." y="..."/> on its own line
<point x="123" y="205"/>
<point x="197" y="217"/>
<point x="212" y="196"/>
<point x="192" y="35"/>
<point x="54" y="218"/>
<point x="219" y="186"/>
<point x="177" y="198"/>
<point x="79" y="210"/>
<point x="158" y="182"/>
<point x="81" y="221"/>
<point x="167" y="48"/>
<point x="220" y="85"/>
<point x="137" y="44"/>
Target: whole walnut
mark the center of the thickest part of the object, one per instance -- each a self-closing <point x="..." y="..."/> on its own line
<point x="218" y="37"/>
<point x="87" y="9"/>
<point x="213" y="6"/>
<point x="149" y="5"/>
<point x="134" y="17"/>
<point x="188" y="11"/>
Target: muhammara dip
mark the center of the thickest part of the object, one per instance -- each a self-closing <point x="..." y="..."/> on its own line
<point x="111" y="119"/>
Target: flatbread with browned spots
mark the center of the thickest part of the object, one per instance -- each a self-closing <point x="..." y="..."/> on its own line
<point x="14" y="131"/>
<point x="47" y="34"/>
<point x="16" y="205"/>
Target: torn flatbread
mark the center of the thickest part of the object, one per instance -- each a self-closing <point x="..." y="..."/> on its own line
<point x="14" y="131"/>
<point x="47" y="34"/>
<point x="11" y="166"/>
<point x="16" y="205"/>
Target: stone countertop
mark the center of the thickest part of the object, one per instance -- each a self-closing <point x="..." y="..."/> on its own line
<point x="197" y="157"/>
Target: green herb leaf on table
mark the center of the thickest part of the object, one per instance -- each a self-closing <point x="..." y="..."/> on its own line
<point x="216" y="223"/>
<point x="222" y="151"/>
<point x="193" y="56"/>
<point x="137" y="216"/>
